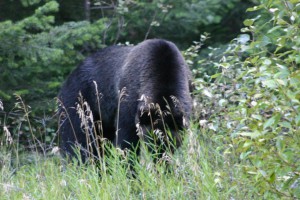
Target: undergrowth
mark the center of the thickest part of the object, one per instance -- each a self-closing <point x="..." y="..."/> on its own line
<point x="198" y="170"/>
<point x="243" y="144"/>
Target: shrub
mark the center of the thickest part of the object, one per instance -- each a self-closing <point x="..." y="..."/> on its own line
<point x="252" y="103"/>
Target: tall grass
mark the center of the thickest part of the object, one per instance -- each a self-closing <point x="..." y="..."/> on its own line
<point x="199" y="169"/>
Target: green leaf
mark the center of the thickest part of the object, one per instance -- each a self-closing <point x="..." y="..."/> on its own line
<point x="265" y="41"/>
<point x="4" y="95"/>
<point x="262" y="172"/>
<point x="247" y="144"/>
<point x="270" y="84"/>
<point x="286" y="124"/>
<point x="244" y="155"/>
<point x="292" y="96"/>
<point x="253" y="134"/>
<point x="254" y="60"/>
<point x="255" y="8"/>
<point x="216" y="75"/>
<point x="279" y="143"/>
<point x="207" y="93"/>
<point x="223" y="102"/>
<point x="272" y="177"/>
<point x="225" y="65"/>
<point x="297" y="120"/>
<point x="281" y="82"/>
<point x="272" y="121"/>
<point x="258" y="117"/>
<point x="280" y="21"/>
<point x="297" y="59"/>
<point x="267" y="62"/>
<point x="275" y="28"/>
<point x="248" y="22"/>
<point x="22" y="92"/>
<point x="243" y="38"/>
<point x="269" y="122"/>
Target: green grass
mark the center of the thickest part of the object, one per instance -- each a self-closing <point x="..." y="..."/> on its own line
<point x="200" y="169"/>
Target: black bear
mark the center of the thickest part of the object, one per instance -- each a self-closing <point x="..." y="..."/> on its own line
<point x="126" y="91"/>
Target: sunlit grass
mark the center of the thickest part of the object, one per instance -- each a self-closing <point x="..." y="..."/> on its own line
<point x="202" y="168"/>
<point x="198" y="170"/>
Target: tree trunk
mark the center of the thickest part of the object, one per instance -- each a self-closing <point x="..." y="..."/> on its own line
<point x="87" y="10"/>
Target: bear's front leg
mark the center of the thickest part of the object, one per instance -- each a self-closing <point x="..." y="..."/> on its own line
<point x="126" y="136"/>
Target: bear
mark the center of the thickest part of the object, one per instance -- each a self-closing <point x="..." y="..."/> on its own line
<point x="126" y="92"/>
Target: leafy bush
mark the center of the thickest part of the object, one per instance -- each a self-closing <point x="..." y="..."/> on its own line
<point x="35" y="55"/>
<point x="253" y="105"/>
<point x="179" y="21"/>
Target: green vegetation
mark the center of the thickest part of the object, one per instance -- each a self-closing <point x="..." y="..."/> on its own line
<point x="244" y="142"/>
<point x="198" y="171"/>
<point x="36" y="54"/>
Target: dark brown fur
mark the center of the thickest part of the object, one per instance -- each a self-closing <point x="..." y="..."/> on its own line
<point x="151" y="73"/>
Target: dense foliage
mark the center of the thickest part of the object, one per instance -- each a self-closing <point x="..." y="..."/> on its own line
<point x="38" y="48"/>
<point x="245" y="138"/>
<point x="181" y="21"/>
<point x="36" y="55"/>
<point x="253" y="102"/>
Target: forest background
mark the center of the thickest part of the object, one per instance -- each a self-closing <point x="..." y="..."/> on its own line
<point x="245" y="59"/>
